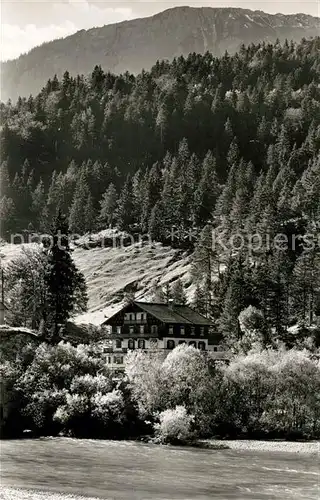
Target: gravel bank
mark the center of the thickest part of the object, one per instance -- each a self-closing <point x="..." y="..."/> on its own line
<point x="21" y="494"/>
<point x="309" y="448"/>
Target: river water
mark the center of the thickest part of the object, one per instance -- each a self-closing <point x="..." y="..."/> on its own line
<point x="136" y="471"/>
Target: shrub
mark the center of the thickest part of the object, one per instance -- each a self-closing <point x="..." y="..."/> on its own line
<point x="293" y="406"/>
<point x="175" y="426"/>
<point x="91" y="384"/>
<point x="246" y="385"/>
<point x="55" y="374"/>
<point x="146" y="377"/>
<point x="158" y="383"/>
<point x="254" y="331"/>
<point x="271" y="393"/>
<point x="109" y="408"/>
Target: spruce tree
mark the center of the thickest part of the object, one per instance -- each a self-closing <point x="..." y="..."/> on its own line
<point x="151" y="194"/>
<point x="206" y="262"/>
<point x="162" y="122"/>
<point x="81" y="212"/>
<point x="66" y="287"/>
<point x="54" y="199"/>
<point x="306" y="286"/>
<point x="156" y="226"/>
<point x="276" y="299"/>
<point x="137" y="190"/>
<point x="4" y="180"/>
<point x="38" y="205"/>
<point x="178" y="294"/>
<point x="207" y="192"/>
<point x="108" y="205"/>
<point x="158" y="295"/>
<point x="171" y="198"/>
<point x="89" y="214"/>
<point x="124" y="211"/>
<point x="234" y="302"/>
<point x="199" y="301"/>
<point x="233" y="155"/>
<point x="7" y="217"/>
<point x="225" y="200"/>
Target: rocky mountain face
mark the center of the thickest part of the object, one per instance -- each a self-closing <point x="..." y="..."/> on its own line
<point x="133" y="45"/>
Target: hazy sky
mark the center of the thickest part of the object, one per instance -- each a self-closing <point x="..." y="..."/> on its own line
<point x="25" y="24"/>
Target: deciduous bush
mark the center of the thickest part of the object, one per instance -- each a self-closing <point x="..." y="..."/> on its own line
<point x="175" y="426"/>
<point x="147" y="381"/>
<point x="55" y="372"/>
<point x="272" y="392"/>
<point x="293" y="404"/>
<point x="182" y="378"/>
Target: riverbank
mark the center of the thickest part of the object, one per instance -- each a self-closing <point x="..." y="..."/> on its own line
<point x="304" y="447"/>
<point x="21" y="494"/>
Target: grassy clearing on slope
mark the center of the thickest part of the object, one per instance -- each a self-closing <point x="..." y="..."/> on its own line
<point x="109" y="272"/>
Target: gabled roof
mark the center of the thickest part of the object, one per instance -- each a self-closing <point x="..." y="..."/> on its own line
<point x="192" y="316"/>
<point x="177" y="313"/>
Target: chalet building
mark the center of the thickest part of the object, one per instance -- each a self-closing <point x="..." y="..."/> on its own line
<point x="151" y="326"/>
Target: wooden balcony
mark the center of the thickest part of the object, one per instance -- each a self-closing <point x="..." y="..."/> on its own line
<point x="134" y="321"/>
<point x="136" y="334"/>
<point x="115" y="350"/>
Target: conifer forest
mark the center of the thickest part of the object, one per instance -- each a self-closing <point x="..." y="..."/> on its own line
<point x="196" y="145"/>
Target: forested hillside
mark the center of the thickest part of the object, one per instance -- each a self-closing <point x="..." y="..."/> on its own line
<point x="229" y="144"/>
<point x="138" y="43"/>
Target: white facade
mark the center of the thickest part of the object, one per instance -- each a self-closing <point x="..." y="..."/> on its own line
<point x="116" y="357"/>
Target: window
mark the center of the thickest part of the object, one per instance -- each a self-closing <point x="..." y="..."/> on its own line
<point x="182" y="330"/>
<point x="141" y="328"/>
<point x="139" y="316"/>
<point x="118" y="343"/>
<point x="109" y="360"/>
<point x="182" y="342"/>
<point x="131" y="330"/>
<point x="171" y="344"/>
<point x="130" y="344"/>
<point x="141" y="344"/>
<point x="118" y="360"/>
<point x="192" y="342"/>
<point x="154" y="329"/>
<point x="132" y="316"/>
<point x="118" y="329"/>
<point x="202" y="346"/>
<point x="201" y="331"/>
<point x="193" y="330"/>
<point x="215" y="349"/>
<point x="170" y="329"/>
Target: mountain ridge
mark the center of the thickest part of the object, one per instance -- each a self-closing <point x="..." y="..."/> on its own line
<point x="132" y="45"/>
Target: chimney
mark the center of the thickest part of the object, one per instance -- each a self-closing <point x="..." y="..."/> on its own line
<point x="170" y="304"/>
